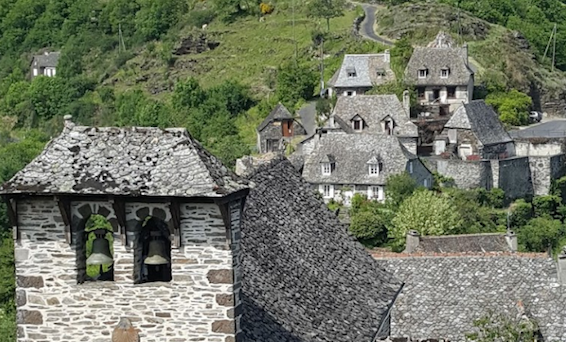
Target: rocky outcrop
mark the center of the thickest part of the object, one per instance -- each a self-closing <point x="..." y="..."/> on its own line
<point x="195" y="43"/>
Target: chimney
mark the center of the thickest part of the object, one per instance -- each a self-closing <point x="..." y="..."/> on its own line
<point x="386" y="56"/>
<point x="562" y="266"/>
<point x="69" y="124"/>
<point x="413" y="240"/>
<point x="465" y="53"/>
<point x="407" y="103"/>
<point x="511" y="239"/>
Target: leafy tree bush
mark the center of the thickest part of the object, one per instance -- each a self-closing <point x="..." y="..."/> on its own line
<point x="197" y="18"/>
<point x="156" y="17"/>
<point x="326" y="9"/>
<point x="294" y="82"/>
<point x="521" y="213"/>
<point x="426" y="213"/>
<point x="499" y="327"/>
<point x="494" y="198"/>
<point x="540" y="234"/>
<point x="476" y="218"/>
<point x="546" y="205"/>
<point x="512" y="106"/>
<point x="399" y="187"/>
<point x="369" y="227"/>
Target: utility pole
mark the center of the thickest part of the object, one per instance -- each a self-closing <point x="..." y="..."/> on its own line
<point x="121" y="45"/>
<point x="321" y="66"/>
<point x="294" y="37"/>
<point x="554" y="48"/>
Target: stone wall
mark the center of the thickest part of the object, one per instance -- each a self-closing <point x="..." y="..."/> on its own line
<point x="515" y="178"/>
<point x="466" y="174"/>
<point x="544" y="170"/>
<point x="199" y="304"/>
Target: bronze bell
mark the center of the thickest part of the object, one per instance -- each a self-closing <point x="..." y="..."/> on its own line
<point x="100" y="252"/>
<point x="157" y="253"/>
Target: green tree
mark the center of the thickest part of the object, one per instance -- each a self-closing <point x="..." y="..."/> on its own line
<point x="369" y="227"/>
<point x="540" y="234"/>
<point x="546" y="205"/>
<point x="188" y="94"/>
<point x="326" y="9"/>
<point x="521" y="213"/>
<point x="513" y="106"/>
<point x="427" y="213"/>
<point x="156" y="17"/>
<point x="399" y="187"/>
<point x="295" y="82"/>
<point x="503" y="327"/>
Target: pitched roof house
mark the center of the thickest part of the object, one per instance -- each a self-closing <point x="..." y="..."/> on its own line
<point x="444" y="294"/>
<point x="171" y="221"/>
<point x="376" y="114"/>
<point x="475" y="130"/>
<point x="360" y="73"/>
<point x="277" y="129"/>
<point x="45" y="64"/>
<point x="442" y="75"/>
<point x="305" y="279"/>
<point x="463" y="243"/>
<point x="339" y="165"/>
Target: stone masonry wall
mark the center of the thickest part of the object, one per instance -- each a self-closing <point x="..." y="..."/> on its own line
<point x="515" y="178"/>
<point x="197" y="305"/>
<point x="545" y="169"/>
<point x="466" y="174"/>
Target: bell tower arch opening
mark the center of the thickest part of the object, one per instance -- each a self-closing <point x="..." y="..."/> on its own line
<point x="154" y="262"/>
<point x="99" y="249"/>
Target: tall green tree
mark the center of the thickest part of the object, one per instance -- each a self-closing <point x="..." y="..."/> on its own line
<point x="326" y="9"/>
<point x="295" y="81"/>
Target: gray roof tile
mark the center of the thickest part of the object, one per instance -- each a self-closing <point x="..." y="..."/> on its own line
<point x="373" y="109"/>
<point x="304" y="278"/>
<point x="351" y="153"/>
<point x="142" y="161"/>
<point x="280" y="112"/>
<point x="366" y="68"/>
<point x="48" y="59"/>
<point x="444" y="295"/>
<point x="495" y="242"/>
<point x="434" y="60"/>
<point x="482" y="120"/>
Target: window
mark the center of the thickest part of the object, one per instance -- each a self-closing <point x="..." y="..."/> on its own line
<point x="326" y="169"/>
<point x="425" y="183"/>
<point x="327" y="191"/>
<point x="376" y="192"/>
<point x="373" y="169"/>
<point x="357" y="124"/>
<point x="352" y="74"/>
<point x="421" y="92"/>
<point x="380" y="73"/>
<point x="451" y="92"/>
<point x="152" y="252"/>
<point x="411" y="167"/>
<point x="423" y="73"/>
<point x="444" y="73"/>
<point x="34" y="71"/>
<point x="349" y="93"/>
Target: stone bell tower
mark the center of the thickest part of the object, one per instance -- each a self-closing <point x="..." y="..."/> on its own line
<point x="140" y="223"/>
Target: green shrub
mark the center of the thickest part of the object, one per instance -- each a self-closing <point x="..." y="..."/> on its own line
<point x="540" y="234"/>
<point x="201" y="17"/>
<point x="369" y="227"/>
<point x="546" y="205"/>
<point x="513" y="106"/>
<point x="521" y="213"/>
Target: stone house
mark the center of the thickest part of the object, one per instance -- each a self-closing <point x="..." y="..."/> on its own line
<point x="463" y="243"/>
<point x="545" y="139"/>
<point x="360" y="73"/>
<point x="305" y="279"/>
<point x="475" y="132"/>
<point x="442" y="76"/>
<point x="445" y="292"/>
<point x="277" y="130"/>
<point x="167" y="255"/>
<point x="341" y="165"/>
<point x="45" y="64"/>
<point x="376" y="114"/>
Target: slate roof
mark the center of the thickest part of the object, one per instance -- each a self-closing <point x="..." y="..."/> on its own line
<point x="442" y="296"/>
<point x="280" y="112"/>
<point x="479" y="243"/>
<point x="482" y="120"/>
<point x="366" y="68"/>
<point x="373" y="109"/>
<point x="435" y="59"/>
<point x="351" y="153"/>
<point x="138" y="161"/>
<point x="48" y="59"/>
<point x="304" y="278"/>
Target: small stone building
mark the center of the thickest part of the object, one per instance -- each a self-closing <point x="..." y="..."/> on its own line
<point x="360" y="73"/>
<point x="45" y="64"/>
<point x="166" y="255"/>
<point x="442" y="76"/>
<point x="475" y="132"/>
<point x="277" y="130"/>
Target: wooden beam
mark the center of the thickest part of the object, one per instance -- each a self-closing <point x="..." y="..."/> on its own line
<point x="119" y="207"/>
<point x="175" y="210"/>
<point x="12" y="211"/>
<point x="64" y="205"/>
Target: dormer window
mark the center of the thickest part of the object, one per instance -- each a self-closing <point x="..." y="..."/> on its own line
<point x="351" y="72"/>
<point x="373" y="169"/>
<point x="380" y="73"/>
<point x="423" y="73"/>
<point x="375" y="166"/>
<point x="326" y="169"/>
<point x="444" y="73"/>
<point x="358" y="124"/>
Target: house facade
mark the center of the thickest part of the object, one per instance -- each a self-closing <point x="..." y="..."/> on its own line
<point x="45" y="64"/>
<point x="376" y="114"/>
<point x="277" y="130"/>
<point x="360" y="73"/>
<point x="442" y="76"/>
<point x="126" y="220"/>
<point x="341" y="165"/>
<point x="475" y="132"/>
